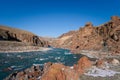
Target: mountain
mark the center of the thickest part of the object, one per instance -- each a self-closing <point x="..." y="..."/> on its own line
<point x="17" y="35"/>
<point x="105" y="37"/>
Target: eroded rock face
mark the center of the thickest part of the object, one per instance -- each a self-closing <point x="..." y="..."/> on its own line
<point x="12" y="34"/>
<point x="105" y="37"/>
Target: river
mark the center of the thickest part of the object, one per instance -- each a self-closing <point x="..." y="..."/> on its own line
<point x="23" y="60"/>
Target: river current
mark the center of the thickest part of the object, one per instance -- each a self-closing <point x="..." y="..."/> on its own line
<point x="23" y="60"/>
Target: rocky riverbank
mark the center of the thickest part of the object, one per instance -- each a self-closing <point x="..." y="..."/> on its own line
<point x="85" y="68"/>
<point x="26" y="49"/>
<point x="13" y="46"/>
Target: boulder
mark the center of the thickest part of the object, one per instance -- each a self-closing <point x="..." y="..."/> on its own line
<point x="54" y="73"/>
<point x="115" y="62"/>
<point x="83" y="64"/>
<point x="100" y="63"/>
<point x="60" y="72"/>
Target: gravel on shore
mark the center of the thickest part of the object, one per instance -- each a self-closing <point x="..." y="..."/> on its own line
<point x="12" y="46"/>
<point x="25" y="49"/>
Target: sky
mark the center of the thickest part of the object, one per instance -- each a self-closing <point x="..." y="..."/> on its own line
<point x="51" y="18"/>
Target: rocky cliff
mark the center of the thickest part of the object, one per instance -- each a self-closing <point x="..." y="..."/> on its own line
<point x="105" y="37"/>
<point x="12" y="34"/>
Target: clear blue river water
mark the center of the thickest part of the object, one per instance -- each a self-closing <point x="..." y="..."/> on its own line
<point x="23" y="60"/>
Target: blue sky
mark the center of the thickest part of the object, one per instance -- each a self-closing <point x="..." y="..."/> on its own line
<point x="54" y="17"/>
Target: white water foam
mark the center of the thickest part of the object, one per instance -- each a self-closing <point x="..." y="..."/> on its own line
<point x="67" y="53"/>
<point x="56" y="58"/>
<point x="6" y="62"/>
<point x="16" y="67"/>
<point x="41" y="59"/>
<point x="50" y="56"/>
<point x="13" y="66"/>
<point x="36" y="59"/>
<point x="74" y="57"/>
<point x="38" y="64"/>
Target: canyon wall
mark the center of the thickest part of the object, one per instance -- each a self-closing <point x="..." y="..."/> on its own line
<point x="105" y="37"/>
<point x="12" y="34"/>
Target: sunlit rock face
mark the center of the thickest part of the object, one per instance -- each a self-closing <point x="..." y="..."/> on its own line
<point x="103" y="37"/>
<point x="12" y="34"/>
